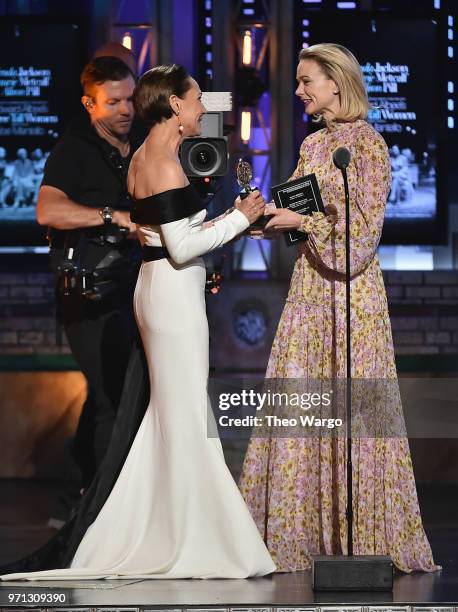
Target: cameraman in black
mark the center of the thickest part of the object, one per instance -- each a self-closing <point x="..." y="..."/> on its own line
<point x="83" y="199"/>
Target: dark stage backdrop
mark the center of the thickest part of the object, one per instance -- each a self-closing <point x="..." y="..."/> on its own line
<point x="402" y="61"/>
<point x="40" y="63"/>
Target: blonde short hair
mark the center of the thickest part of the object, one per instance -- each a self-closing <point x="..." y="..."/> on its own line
<point x="341" y="66"/>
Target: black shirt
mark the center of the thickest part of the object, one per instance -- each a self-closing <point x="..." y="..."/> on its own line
<point x="89" y="170"/>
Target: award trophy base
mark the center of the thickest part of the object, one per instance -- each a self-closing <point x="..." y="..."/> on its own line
<point x="260" y="223"/>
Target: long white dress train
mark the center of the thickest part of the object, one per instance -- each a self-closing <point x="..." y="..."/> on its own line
<point x="175" y="510"/>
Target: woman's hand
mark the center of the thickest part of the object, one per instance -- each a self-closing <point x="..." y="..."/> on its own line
<point x="283" y="219"/>
<point x="252" y="206"/>
<point x="263" y="234"/>
<point x="331" y="211"/>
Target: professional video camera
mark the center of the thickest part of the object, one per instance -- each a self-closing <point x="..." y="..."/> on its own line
<point x="207" y="155"/>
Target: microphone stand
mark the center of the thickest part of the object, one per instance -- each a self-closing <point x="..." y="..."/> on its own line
<point x="349" y="572"/>
<point x="348" y="363"/>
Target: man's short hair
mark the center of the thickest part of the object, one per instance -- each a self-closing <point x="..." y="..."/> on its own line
<point x="116" y="49"/>
<point x="102" y="69"/>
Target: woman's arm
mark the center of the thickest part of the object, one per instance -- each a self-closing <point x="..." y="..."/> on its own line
<point x="182" y="240"/>
<point x="271" y="209"/>
<point x="326" y="233"/>
<point x="183" y="244"/>
<point x="367" y="209"/>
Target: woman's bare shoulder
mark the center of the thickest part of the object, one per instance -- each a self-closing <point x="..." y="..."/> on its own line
<point x="168" y="172"/>
<point x="155" y="176"/>
<point x="133" y="167"/>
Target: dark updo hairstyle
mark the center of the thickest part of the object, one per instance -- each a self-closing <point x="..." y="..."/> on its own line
<point x="153" y="90"/>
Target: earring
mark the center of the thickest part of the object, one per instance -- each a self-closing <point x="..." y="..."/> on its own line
<point x="180" y="125"/>
<point x="336" y="92"/>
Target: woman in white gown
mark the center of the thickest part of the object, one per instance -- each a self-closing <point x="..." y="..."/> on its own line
<point x="174" y="510"/>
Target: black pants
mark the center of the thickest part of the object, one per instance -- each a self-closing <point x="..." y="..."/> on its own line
<point x="100" y="336"/>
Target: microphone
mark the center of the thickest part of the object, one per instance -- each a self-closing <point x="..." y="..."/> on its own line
<point x="341" y="158"/>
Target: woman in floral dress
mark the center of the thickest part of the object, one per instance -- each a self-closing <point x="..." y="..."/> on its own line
<point x="296" y="487"/>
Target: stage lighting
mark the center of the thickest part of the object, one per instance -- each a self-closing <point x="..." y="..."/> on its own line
<point x="127" y="41"/>
<point x="247" y="49"/>
<point x="245" y="127"/>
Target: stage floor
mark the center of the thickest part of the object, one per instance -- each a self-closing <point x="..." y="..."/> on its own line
<point x="25" y="508"/>
<point x="280" y="591"/>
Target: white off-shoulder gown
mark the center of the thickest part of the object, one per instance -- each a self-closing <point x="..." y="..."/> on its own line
<point x="175" y="510"/>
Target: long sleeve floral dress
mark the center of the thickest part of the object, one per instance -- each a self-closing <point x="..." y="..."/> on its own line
<point x="296" y="487"/>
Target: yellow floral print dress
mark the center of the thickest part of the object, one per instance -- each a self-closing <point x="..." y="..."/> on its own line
<point x="296" y="487"/>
